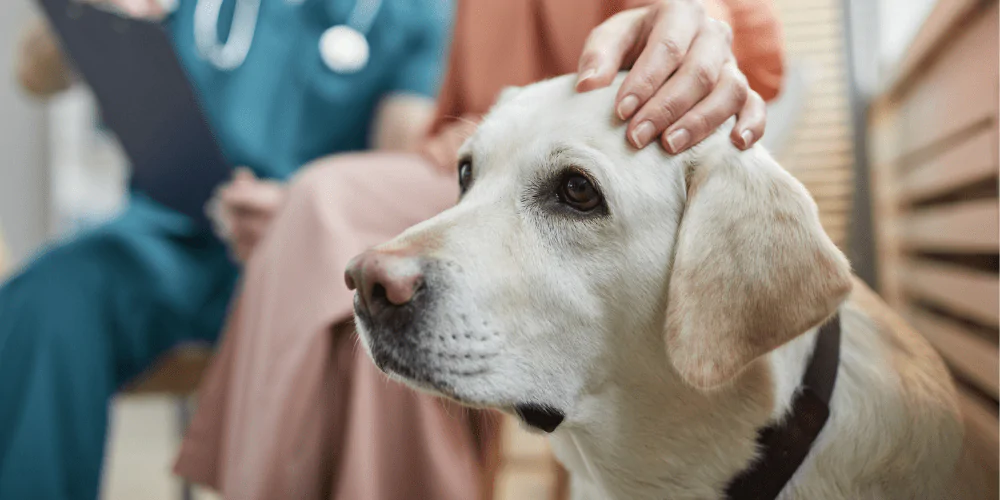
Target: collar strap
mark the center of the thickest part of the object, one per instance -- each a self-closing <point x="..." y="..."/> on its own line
<point x="785" y="445"/>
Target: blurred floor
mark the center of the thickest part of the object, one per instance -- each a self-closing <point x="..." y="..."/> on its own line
<point x="143" y="440"/>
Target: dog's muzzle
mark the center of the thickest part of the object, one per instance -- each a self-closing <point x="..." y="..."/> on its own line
<point x="399" y="309"/>
<point x="390" y="293"/>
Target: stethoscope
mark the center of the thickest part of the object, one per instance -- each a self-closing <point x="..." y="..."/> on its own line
<point x="343" y="48"/>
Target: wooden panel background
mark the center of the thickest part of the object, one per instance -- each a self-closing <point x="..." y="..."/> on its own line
<point x="934" y="140"/>
<point x="820" y="152"/>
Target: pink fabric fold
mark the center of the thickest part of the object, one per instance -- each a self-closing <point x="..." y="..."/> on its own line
<point x="291" y="408"/>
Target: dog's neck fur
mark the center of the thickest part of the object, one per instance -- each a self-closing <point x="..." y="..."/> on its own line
<point x="648" y="435"/>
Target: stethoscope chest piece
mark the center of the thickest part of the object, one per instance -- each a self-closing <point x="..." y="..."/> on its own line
<point x="343" y="49"/>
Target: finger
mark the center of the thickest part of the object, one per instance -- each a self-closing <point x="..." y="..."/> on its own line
<point x="243" y="250"/>
<point x="727" y="99"/>
<point x="243" y="201"/>
<point x="252" y="198"/>
<point x="750" y="122"/>
<point x="674" y="29"/>
<point x="256" y="226"/>
<point x="697" y="77"/>
<point x="251" y="231"/>
<point x="243" y="174"/>
<point x="251" y="225"/>
<point x="607" y="47"/>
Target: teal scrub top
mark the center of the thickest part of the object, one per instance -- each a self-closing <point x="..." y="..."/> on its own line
<point x="283" y="106"/>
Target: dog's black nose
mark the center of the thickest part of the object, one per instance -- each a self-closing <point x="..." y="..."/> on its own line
<point x="384" y="280"/>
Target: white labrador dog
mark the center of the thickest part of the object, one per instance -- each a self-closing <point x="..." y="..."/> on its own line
<point x="653" y="312"/>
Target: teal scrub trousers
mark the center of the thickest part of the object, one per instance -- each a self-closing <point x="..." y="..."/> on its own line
<point x="85" y="318"/>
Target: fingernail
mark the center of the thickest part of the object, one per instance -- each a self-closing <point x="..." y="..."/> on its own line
<point x="586" y="75"/>
<point x="678" y="139"/>
<point x="627" y="106"/>
<point x="747" y="137"/>
<point x="642" y="134"/>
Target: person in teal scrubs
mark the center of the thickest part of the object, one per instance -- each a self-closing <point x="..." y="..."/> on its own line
<point x="89" y="314"/>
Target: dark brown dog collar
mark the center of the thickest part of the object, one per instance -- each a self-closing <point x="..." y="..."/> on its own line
<point x="784" y="446"/>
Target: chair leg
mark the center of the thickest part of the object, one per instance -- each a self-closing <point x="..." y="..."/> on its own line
<point x="184" y="418"/>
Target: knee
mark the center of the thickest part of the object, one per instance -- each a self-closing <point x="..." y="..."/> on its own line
<point x="318" y="180"/>
<point x="61" y="277"/>
<point x="322" y="192"/>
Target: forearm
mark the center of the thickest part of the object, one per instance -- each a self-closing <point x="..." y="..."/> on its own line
<point x="41" y="67"/>
<point x="401" y="122"/>
<point x="441" y="149"/>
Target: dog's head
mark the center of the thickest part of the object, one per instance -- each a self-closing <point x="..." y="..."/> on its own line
<point x="571" y="258"/>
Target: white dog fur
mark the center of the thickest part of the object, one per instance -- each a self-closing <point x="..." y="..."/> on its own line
<point x="670" y="327"/>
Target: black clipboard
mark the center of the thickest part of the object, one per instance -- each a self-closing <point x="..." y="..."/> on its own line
<point x="146" y="99"/>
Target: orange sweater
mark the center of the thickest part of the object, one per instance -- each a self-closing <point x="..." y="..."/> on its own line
<point x="499" y="43"/>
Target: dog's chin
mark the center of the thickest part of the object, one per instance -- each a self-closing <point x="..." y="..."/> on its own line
<point x="402" y="362"/>
<point x="421" y="380"/>
<point x="401" y="367"/>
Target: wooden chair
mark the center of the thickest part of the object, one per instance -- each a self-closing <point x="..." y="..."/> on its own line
<point x="177" y="374"/>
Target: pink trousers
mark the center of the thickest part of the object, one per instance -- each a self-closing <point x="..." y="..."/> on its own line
<point x="291" y="407"/>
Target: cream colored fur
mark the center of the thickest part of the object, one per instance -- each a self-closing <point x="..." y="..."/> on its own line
<point x="670" y="329"/>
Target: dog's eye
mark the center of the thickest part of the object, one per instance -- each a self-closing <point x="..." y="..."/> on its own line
<point x="464" y="174"/>
<point x="578" y="192"/>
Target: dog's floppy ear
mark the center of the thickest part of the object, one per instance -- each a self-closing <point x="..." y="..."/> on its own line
<point x="753" y="268"/>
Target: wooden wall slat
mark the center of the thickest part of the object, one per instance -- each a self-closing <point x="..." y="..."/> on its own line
<point x="933" y="132"/>
<point x="809" y="17"/>
<point x="966" y="227"/>
<point x="821" y="149"/>
<point x="823" y="176"/>
<point x="805" y="5"/>
<point x="929" y="40"/>
<point x="972" y="160"/>
<point x="802" y="163"/>
<point x="813" y="30"/>
<point x="973" y="357"/>
<point x="969" y="293"/>
<point x="959" y="90"/>
<point x="822" y="191"/>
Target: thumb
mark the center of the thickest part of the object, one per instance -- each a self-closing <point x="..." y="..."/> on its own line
<point x="243" y="174"/>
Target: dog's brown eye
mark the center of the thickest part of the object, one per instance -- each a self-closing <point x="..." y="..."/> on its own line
<point x="578" y="192"/>
<point x="464" y="174"/>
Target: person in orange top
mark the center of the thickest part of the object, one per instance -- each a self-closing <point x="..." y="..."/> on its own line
<point x="291" y="408"/>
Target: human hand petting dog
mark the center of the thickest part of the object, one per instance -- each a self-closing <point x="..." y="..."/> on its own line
<point x="242" y="210"/>
<point x="683" y="82"/>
